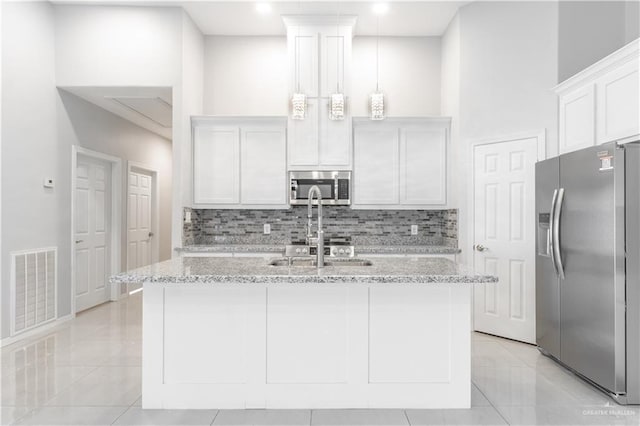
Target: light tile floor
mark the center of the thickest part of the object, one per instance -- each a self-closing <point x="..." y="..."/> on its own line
<point x="87" y="372"/>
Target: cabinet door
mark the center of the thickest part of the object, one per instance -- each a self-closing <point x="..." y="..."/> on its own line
<point x="263" y="166"/>
<point x="334" y="140"/>
<point x="617" y="103"/>
<point x="303" y="134"/>
<point x="303" y="52"/>
<point x="332" y="63"/>
<point x="335" y="136"/>
<point x="216" y="159"/>
<point x="423" y="170"/>
<point x="375" y="171"/>
<point x="577" y="119"/>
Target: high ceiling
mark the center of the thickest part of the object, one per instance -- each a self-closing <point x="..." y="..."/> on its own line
<point x="403" y="18"/>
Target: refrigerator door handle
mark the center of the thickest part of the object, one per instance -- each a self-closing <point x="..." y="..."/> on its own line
<point x="550" y="240"/>
<point x="557" y="211"/>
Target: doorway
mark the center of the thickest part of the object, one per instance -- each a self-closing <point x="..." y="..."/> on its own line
<point x="95" y="219"/>
<point x="503" y="223"/>
<point x="142" y="216"/>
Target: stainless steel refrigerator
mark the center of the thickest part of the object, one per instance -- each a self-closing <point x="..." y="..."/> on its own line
<point x="588" y="265"/>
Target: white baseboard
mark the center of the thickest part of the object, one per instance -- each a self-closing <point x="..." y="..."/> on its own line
<point x="35" y="331"/>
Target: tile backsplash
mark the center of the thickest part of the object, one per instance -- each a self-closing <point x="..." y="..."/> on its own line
<point x="366" y="227"/>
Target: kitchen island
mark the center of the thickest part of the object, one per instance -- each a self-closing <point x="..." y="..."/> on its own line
<point x="238" y="333"/>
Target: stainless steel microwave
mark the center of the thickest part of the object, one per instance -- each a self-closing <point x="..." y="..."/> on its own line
<point x="334" y="186"/>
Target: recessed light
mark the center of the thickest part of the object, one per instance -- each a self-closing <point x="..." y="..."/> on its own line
<point x="263" y="8"/>
<point x="380" y="8"/>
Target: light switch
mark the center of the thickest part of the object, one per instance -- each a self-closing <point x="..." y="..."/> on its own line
<point x="187" y="217"/>
<point x="414" y="229"/>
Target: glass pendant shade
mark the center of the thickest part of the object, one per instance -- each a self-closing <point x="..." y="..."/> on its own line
<point x="376" y="103"/>
<point x="336" y="107"/>
<point x="299" y="106"/>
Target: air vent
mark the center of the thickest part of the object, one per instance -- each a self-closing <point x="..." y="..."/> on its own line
<point x="33" y="288"/>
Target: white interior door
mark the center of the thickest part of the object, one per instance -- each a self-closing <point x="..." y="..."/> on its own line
<point x="140" y="237"/>
<point x="504" y="244"/>
<point x="92" y="231"/>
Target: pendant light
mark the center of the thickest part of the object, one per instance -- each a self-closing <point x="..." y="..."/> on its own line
<point x="376" y="99"/>
<point x="299" y="99"/>
<point x="337" y="101"/>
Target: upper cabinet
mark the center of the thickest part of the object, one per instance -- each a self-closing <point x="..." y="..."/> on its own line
<point x="320" y="64"/>
<point x="400" y="163"/>
<point x="577" y="121"/>
<point x="618" y="96"/>
<point x="601" y="103"/>
<point x="239" y="163"/>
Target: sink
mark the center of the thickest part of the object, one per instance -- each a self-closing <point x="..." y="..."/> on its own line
<point x="298" y="262"/>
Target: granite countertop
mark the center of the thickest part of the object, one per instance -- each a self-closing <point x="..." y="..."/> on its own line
<point x="279" y="248"/>
<point x="232" y="248"/>
<point x="417" y="249"/>
<point x="256" y="270"/>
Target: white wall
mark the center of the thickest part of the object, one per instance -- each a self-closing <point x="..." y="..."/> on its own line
<point x="2" y="299"/>
<point x="30" y="150"/>
<point x="409" y="75"/>
<point x="44" y="46"/>
<point x="590" y="30"/>
<point x="188" y="101"/>
<point x="632" y="20"/>
<point x="138" y="46"/>
<point x="508" y="67"/>
<point x="83" y="124"/>
<point x="245" y="76"/>
<point x="450" y="98"/>
<point x="248" y="75"/>
<point x="117" y="46"/>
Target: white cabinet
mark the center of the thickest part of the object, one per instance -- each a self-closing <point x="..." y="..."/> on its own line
<point x="376" y="176"/>
<point x="319" y="63"/>
<point x="262" y="160"/>
<point x="216" y="165"/>
<point x="617" y="103"/>
<point x="303" y="138"/>
<point x="239" y="163"/>
<point x="577" y="119"/>
<point x="423" y="165"/>
<point x="601" y="103"/>
<point x="320" y="345"/>
<point x="400" y="163"/>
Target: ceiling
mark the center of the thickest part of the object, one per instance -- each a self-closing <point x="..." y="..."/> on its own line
<point x="148" y="107"/>
<point x="151" y="107"/>
<point x="404" y="18"/>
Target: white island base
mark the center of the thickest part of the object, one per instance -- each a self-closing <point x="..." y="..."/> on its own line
<point x="324" y="345"/>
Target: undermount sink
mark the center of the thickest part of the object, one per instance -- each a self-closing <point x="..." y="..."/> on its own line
<point x="312" y="262"/>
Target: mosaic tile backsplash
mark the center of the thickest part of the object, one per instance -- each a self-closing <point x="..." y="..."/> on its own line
<point x="366" y="227"/>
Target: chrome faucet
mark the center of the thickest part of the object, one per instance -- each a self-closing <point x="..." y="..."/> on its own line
<point x="319" y="239"/>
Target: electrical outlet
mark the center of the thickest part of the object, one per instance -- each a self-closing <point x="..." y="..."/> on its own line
<point x="414" y="229"/>
<point x="266" y="229"/>
<point x="187" y="217"/>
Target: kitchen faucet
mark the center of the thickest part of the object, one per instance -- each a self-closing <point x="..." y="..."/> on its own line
<point x="319" y="240"/>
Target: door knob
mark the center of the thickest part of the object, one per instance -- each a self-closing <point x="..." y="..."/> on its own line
<point x="150" y="234"/>
<point x="79" y="241"/>
<point x="480" y="247"/>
